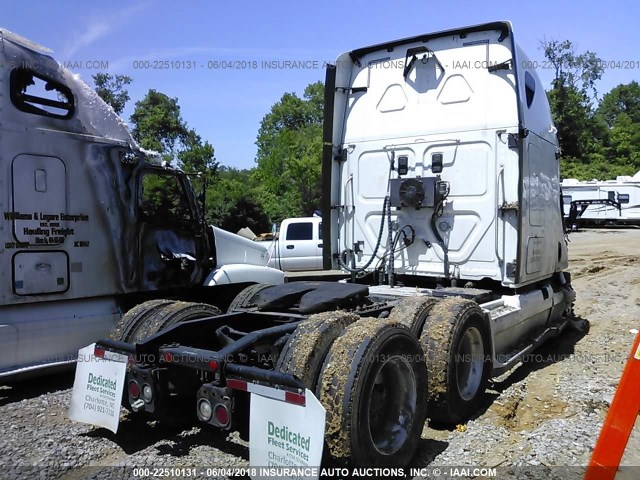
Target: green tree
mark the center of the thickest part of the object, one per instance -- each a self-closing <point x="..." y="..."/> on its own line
<point x="619" y="116"/>
<point x="111" y="88"/>
<point x="158" y="125"/>
<point x="571" y="111"/>
<point x="624" y="145"/>
<point x="232" y="202"/>
<point x="245" y="212"/>
<point x="621" y="99"/>
<point x="580" y="72"/>
<point x="197" y="156"/>
<point x="289" y="154"/>
<point x="581" y="133"/>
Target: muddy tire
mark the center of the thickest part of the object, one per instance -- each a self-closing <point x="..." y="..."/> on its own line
<point x="372" y="386"/>
<point x="135" y="317"/>
<point x="245" y="297"/>
<point x="308" y="346"/>
<point x="456" y="342"/>
<point x="170" y="314"/>
<point x="413" y="312"/>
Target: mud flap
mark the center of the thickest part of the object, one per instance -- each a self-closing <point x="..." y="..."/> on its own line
<point x="287" y="438"/>
<point x="97" y="388"/>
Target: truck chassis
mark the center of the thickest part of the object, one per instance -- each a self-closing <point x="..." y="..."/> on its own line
<point x="392" y="355"/>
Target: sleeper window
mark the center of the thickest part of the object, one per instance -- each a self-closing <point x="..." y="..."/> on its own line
<point x="37" y="94"/>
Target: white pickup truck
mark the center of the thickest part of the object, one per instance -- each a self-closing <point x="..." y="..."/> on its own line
<point x="298" y="245"/>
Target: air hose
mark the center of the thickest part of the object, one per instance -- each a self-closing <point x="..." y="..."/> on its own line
<point x="341" y="258"/>
<point x="437" y="212"/>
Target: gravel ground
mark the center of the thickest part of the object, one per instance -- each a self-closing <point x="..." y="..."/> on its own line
<point x="540" y="420"/>
<point x="547" y="413"/>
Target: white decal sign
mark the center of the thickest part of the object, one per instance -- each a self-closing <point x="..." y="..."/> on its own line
<point x="97" y="389"/>
<point x="285" y="440"/>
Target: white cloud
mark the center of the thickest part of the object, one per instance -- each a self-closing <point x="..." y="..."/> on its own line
<point x="99" y="27"/>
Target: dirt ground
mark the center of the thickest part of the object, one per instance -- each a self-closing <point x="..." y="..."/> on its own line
<point x="605" y="267"/>
<point x="549" y="411"/>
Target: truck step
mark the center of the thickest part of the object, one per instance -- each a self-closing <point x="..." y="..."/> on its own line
<point x="479" y="295"/>
<point x="509" y="360"/>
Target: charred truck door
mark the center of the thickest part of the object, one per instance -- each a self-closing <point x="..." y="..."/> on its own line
<point x="171" y="240"/>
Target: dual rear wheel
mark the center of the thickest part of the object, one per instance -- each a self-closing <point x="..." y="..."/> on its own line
<point x="456" y="342"/>
<point x="379" y="379"/>
<point x="455" y="338"/>
<point x="370" y="377"/>
<point x="152" y="316"/>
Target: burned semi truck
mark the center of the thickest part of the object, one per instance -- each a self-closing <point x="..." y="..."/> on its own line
<point x="441" y="198"/>
<point x="91" y="224"/>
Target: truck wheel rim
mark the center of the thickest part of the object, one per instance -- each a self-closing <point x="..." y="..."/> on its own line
<point x="392" y="405"/>
<point x="470" y="363"/>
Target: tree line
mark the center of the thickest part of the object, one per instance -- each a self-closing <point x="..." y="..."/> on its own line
<point x="286" y="179"/>
<point x="599" y="138"/>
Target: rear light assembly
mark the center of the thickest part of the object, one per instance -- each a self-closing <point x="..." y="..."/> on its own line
<point x="205" y="410"/>
<point x="143" y="385"/>
<point x="214" y="405"/>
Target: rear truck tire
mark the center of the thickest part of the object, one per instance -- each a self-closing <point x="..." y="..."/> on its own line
<point x="155" y="315"/>
<point x="308" y="346"/>
<point x="134" y="317"/>
<point x="245" y="297"/>
<point x="413" y="312"/>
<point x="372" y="386"/>
<point x="129" y="322"/>
<point x="456" y="342"/>
<point x="170" y="314"/>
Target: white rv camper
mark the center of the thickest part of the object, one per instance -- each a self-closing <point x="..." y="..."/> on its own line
<point x="615" y="202"/>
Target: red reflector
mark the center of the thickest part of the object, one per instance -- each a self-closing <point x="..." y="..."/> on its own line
<point x="294" y="398"/>
<point x="213" y="365"/>
<point x="166" y="357"/>
<point x="134" y="389"/>
<point x="237" y="384"/>
<point x="98" y="352"/>
<point x="222" y="415"/>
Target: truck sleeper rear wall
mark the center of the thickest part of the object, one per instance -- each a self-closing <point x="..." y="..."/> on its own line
<point x="464" y="107"/>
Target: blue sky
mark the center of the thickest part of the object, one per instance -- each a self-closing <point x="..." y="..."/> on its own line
<point x="225" y="106"/>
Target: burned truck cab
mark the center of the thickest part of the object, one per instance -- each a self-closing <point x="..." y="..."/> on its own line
<point x="174" y="248"/>
<point x="88" y="218"/>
